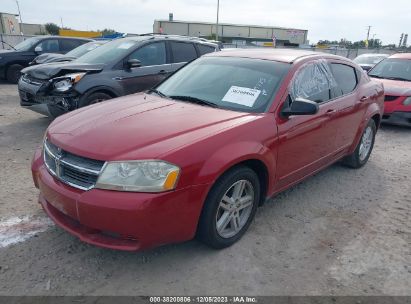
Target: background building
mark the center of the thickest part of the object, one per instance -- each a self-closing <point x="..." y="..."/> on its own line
<point x="234" y="33"/>
<point x="9" y="24"/>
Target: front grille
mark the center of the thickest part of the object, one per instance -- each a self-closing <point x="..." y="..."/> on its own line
<point x="390" y="98"/>
<point x="74" y="170"/>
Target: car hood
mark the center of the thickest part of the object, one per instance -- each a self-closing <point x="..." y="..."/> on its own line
<point x="395" y="87"/>
<point x="139" y="126"/>
<point x="50" y="70"/>
<point x="49" y="57"/>
<point x="4" y="52"/>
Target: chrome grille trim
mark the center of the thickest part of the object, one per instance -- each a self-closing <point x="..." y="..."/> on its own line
<point x="76" y="171"/>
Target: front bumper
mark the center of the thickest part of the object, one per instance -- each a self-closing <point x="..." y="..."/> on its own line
<point x="398" y="118"/>
<point x="120" y="220"/>
<point x="37" y="98"/>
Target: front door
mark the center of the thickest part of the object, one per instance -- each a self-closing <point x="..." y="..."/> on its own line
<point x="154" y="68"/>
<point x="306" y="142"/>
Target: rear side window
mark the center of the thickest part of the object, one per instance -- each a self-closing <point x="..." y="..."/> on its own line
<point x="183" y="52"/>
<point x="346" y="78"/>
<point x="204" y="49"/>
<point x="67" y="45"/>
<point x="151" y="54"/>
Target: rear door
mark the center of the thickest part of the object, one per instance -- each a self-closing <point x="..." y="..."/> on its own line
<point x="154" y="68"/>
<point x="181" y="53"/>
<point x="350" y="106"/>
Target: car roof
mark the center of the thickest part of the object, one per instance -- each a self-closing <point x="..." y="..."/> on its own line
<point x="282" y="55"/>
<point x="401" y="56"/>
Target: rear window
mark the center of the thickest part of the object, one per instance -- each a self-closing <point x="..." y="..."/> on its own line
<point x="183" y="52"/>
<point x="67" y="45"/>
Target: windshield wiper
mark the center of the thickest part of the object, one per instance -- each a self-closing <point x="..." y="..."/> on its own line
<point x="194" y="100"/>
<point x="9" y="45"/>
<point x="398" y="78"/>
<point x="375" y="76"/>
<point x="155" y="91"/>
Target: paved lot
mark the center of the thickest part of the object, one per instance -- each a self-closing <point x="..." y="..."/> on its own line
<point x="341" y="232"/>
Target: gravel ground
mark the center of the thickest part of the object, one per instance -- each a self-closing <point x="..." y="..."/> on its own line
<point x="341" y="232"/>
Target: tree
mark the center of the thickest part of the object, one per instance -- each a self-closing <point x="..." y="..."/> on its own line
<point x="107" y="31"/>
<point x="52" y="28"/>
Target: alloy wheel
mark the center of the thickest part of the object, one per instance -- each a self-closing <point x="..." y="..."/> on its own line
<point x="235" y="208"/>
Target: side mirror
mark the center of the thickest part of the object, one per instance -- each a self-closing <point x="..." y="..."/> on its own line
<point x="133" y="63"/>
<point x="301" y="106"/>
<point x="38" y="49"/>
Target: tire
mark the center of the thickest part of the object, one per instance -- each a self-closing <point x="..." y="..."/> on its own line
<point x="92" y="99"/>
<point x="13" y="73"/>
<point x="55" y="111"/>
<point x="360" y="157"/>
<point x="233" y="222"/>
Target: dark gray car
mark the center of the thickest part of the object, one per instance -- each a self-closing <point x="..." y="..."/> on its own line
<point x="120" y="67"/>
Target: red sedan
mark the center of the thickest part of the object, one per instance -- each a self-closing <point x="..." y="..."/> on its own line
<point x="199" y="153"/>
<point x="395" y="73"/>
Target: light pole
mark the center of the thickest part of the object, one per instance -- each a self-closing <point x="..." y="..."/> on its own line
<point x="216" y="25"/>
<point x="18" y="8"/>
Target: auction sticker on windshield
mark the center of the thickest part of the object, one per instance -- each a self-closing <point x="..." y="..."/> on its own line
<point x="242" y="96"/>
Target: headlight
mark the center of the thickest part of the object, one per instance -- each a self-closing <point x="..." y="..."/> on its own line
<point x="139" y="176"/>
<point x="407" y="101"/>
<point x="64" y="83"/>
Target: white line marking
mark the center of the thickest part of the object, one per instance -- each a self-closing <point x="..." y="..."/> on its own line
<point x="18" y="229"/>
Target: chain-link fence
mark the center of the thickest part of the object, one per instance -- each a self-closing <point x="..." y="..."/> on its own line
<point x="348" y="53"/>
<point x="7" y="40"/>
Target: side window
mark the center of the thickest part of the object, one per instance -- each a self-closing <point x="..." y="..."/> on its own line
<point x="345" y="77"/>
<point x="183" y="52"/>
<point x="50" y="46"/>
<point x="204" y="49"/>
<point x="151" y="54"/>
<point x="313" y="81"/>
<point x="67" y="45"/>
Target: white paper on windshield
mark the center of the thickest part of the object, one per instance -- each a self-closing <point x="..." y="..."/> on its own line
<point x="126" y="45"/>
<point x="242" y="96"/>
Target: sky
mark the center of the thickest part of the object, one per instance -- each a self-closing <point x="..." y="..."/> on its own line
<point x="324" y="19"/>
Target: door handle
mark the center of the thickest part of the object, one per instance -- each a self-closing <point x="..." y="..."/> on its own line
<point x="331" y="112"/>
<point x="364" y="98"/>
<point x="162" y="72"/>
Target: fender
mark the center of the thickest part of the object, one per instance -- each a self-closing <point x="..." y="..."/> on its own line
<point x="238" y="152"/>
<point x="372" y="110"/>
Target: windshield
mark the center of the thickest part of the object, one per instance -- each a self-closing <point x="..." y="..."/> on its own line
<point x="26" y="44"/>
<point x="369" y="59"/>
<point x="83" y="49"/>
<point x="392" y="68"/>
<point x="109" y="52"/>
<point x="239" y="84"/>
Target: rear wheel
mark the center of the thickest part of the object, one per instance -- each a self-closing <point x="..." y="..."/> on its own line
<point x="13" y="73"/>
<point x="363" y="151"/>
<point x="229" y="208"/>
<point x="92" y="99"/>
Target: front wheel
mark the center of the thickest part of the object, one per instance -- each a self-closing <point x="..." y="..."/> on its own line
<point x="13" y="73"/>
<point x="92" y="99"/>
<point x="229" y="208"/>
<point x="363" y="150"/>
